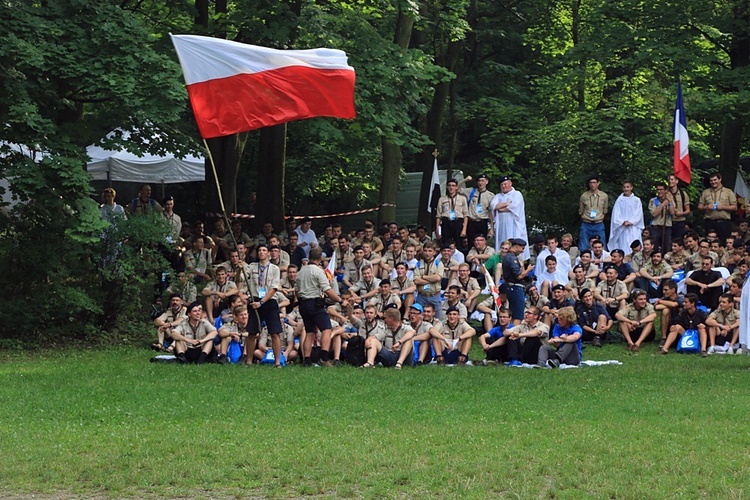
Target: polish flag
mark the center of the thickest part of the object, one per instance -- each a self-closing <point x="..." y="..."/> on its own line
<point x="330" y="270"/>
<point x="681" y="154"/>
<point x="235" y="87"/>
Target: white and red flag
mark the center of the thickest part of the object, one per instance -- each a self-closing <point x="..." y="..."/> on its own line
<point x="330" y="270"/>
<point x="681" y="154"/>
<point x="493" y="288"/>
<point x="236" y="87"/>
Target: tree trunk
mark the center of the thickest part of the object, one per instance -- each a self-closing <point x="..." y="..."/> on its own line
<point x="389" y="182"/>
<point x="733" y="130"/>
<point x="434" y="130"/>
<point x="226" y="153"/>
<point x="269" y="206"/>
<point x="392" y="152"/>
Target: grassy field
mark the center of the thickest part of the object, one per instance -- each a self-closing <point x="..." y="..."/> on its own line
<point x="109" y="423"/>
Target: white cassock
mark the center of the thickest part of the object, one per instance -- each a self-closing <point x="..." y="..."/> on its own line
<point x="510" y="224"/>
<point x="563" y="262"/>
<point x="745" y="315"/>
<point x="627" y="208"/>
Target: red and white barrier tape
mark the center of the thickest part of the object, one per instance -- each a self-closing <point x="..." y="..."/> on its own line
<point x="298" y="217"/>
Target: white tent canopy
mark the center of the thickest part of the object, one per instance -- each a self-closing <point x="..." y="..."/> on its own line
<point x="124" y="166"/>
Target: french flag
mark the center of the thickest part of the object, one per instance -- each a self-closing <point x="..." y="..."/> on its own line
<point x="681" y="154"/>
<point x="235" y="87"/>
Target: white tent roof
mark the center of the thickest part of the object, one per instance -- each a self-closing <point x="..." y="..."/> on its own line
<point x="125" y="166"/>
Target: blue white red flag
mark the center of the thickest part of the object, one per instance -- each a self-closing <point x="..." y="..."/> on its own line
<point x="681" y="154"/>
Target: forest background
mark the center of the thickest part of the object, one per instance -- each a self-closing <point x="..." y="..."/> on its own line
<point x="546" y="91"/>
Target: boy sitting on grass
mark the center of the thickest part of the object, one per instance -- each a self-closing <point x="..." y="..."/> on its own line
<point x="565" y="344"/>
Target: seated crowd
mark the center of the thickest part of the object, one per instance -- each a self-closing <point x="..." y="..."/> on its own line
<point x="397" y="297"/>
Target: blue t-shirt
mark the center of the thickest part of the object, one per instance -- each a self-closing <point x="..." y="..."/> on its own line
<point x="496" y="332"/>
<point x="558" y="331"/>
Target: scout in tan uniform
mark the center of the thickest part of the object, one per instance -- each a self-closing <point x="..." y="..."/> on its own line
<point x="172" y="317"/>
<point x="385" y="298"/>
<point x="470" y="288"/>
<point x="636" y="320"/>
<point x="479" y="200"/>
<point x="592" y="207"/>
<point x="724" y="324"/>
<point x="717" y="203"/>
<point x="311" y="285"/>
<point x="393" y="346"/>
<point x="194" y="336"/>
<point x="403" y="286"/>
<point x="427" y="276"/>
<point x="235" y="329"/>
<point x="452" y="215"/>
<point x="458" y="334"/>
<point x="264" y="282"/>
<point x="217" y="292"/>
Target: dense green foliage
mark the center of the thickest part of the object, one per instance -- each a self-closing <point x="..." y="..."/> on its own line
<point x="72" y="71"/>
<point x="548" y="91"/>
<point x="109" y="424"/>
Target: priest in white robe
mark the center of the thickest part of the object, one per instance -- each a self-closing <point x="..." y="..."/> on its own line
<point x="745" y="317"/>
<point x="510" y="216"/>
<point x="627" y="220"/>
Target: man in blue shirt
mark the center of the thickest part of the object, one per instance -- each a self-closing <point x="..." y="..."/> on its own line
<point x="565" y="344"/>
<point x="493" y="342"/>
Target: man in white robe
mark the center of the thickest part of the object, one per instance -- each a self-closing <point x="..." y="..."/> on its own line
<point x="627" y="219"/>
<point x="563" y="259"/>
<point x="510" y="216"/>
<point x="745" y="317"/>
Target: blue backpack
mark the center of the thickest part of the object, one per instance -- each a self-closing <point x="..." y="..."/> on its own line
<point x="689" y="342"/>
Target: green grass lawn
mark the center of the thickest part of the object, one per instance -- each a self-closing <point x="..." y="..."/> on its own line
<point x="109" y="423"/>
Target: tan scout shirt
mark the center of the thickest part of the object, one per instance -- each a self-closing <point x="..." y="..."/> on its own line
<point x="455" y="332"/>
<point x="725" y="319"/>
<point x="633" y="314"/>
<point x="198" y="333"/>
<point x="366" y="330"/>
<point x="428" y="269"/>
<point x="263" y="279"/>
<point x="722" y="196"/>
<point x="479" y="204"/>
<point x="458" y="205"/>
<point x="589" y="201"/>
<point x="311" y="283"/>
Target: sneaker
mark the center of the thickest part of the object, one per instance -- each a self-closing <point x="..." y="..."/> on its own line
<point x="704" y="354"/>
<point x="484" y="362"/>
<point x="597" y="342"/>
<point x="181" y="359"/>
<point x="711" y="350"/>
<point x="662" y="342"/>
<point x="222" y="359"/>
<point x="730" y="350"/>
<point x="553" y="363"/>
<point x="326" y="364"/>
<point x="738" y="351"/>
<point x="469" y="363"/>
<point x="336" y="362"/>
<point x="515" y="362"/>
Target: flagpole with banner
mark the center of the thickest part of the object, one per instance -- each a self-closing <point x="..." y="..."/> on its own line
<point x="682" y="168"/>
<point x="435" y="193"/>
<point x="742" y="193"/>
<point x="235" y="87"/>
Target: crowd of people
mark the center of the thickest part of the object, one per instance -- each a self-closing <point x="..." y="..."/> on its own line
<point x="396" y="296"/>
